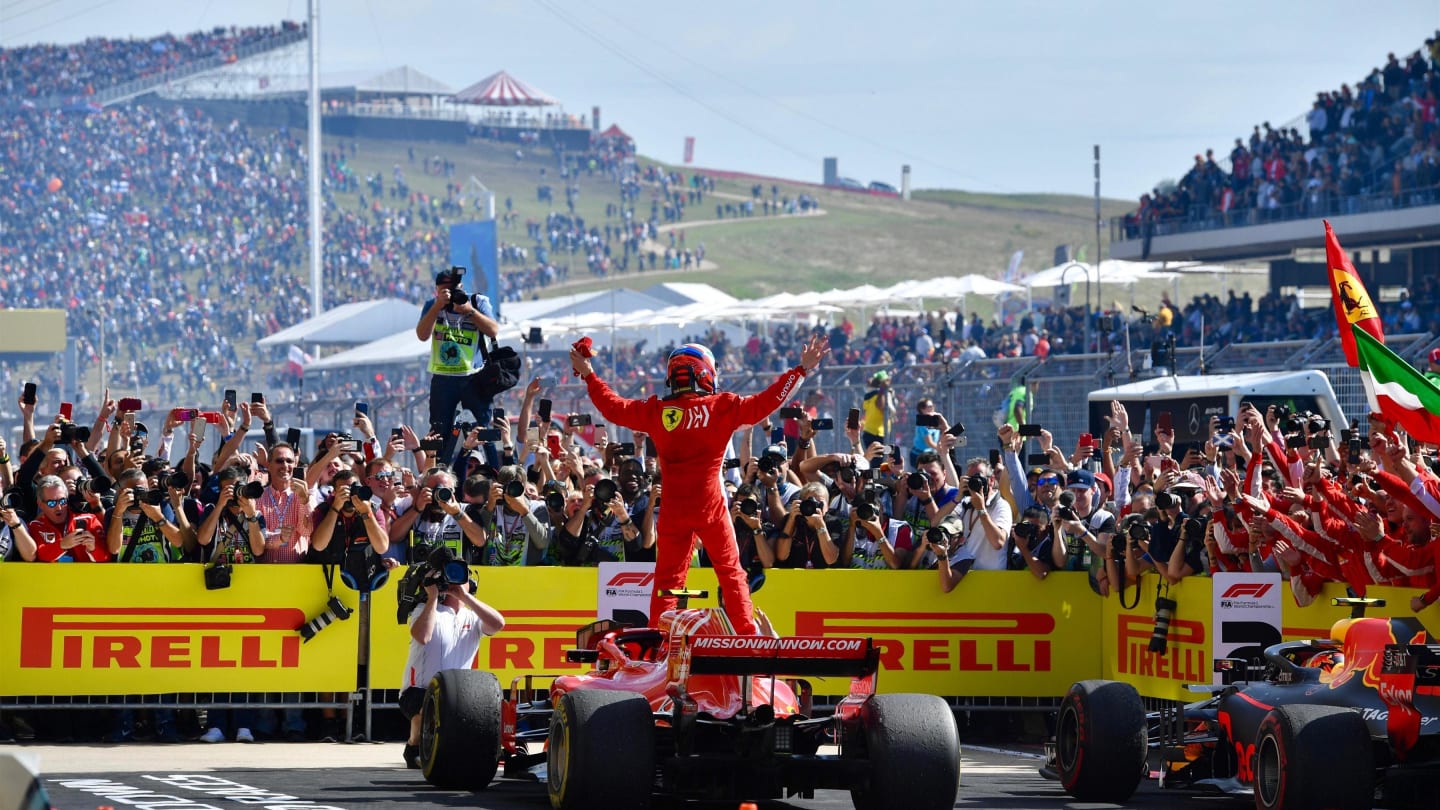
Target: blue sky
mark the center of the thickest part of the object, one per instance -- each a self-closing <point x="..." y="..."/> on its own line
<point x="995" y="96"/>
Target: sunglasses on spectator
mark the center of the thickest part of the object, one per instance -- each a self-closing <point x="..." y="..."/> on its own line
<point x="1049" y="479"/>
<point x="55" y="503"/>
<point x="384" y="476"/>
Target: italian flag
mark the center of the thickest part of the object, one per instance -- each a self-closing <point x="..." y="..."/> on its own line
<point x="1396" y="391"/>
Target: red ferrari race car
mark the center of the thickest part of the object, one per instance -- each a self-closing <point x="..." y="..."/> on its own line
<point x="1324" y="723"/>
<point x="688" y="710"/>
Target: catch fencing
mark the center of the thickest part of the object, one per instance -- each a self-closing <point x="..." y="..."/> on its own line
<point x="969" y="392"/>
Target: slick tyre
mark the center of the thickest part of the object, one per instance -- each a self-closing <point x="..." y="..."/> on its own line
<point x="460" y="729"/>
<point x="1100" y="741"/>
<point x="1314" y="757"/>
<point x="602" y="751"/>
<point x="913" y="747"/>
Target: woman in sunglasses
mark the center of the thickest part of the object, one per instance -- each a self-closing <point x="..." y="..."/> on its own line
<point x="63" y="535"/>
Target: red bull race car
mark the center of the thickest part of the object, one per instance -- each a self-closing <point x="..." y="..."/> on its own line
<point x="1325" y="723"/>
<point x="689" y="710"/>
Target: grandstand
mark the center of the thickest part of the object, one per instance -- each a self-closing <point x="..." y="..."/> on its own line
<point x="177" y="220"/>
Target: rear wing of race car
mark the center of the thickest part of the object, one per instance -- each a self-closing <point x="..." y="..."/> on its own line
<point x="794" y="655"/>
<point x="1423" y="660"/>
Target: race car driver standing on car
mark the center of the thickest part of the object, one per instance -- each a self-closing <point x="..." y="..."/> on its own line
<point x="691" y="428"/>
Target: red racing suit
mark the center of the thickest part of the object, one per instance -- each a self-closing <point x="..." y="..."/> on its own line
<point x="690" y="432"/>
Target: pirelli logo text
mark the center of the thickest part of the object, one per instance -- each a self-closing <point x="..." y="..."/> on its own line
<point x="1186" y="657"/>
<point x="944" y="642"/>
<point x="535" y="640"/>
<point x="760" y="645"/>
<point x="160" y="638"/>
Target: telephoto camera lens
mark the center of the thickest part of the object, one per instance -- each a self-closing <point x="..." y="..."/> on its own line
<point x="1164" y="612"/>
<point x="85" y="485"/>
<point x="917" y="480"/>
<point x="749" y="507"/>
<point x="177" y="480"/>
<point x="865" y="510"/>
<point x="138" y="495"/>
<point x="153" y="497"/>
<point x="252" y="490"/>
<point x="555" y="502"/>
<point x="515" y="488"/>
<point x="362" y="492"/>
<point x="445" y="494"/>
<point x="809" y="507"/>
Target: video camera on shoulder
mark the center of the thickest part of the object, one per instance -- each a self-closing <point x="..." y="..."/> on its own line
<point x="436" y="565"/>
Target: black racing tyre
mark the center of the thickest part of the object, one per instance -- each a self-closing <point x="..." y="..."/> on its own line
<point x="914" y="754"/>
<point x="460" y="729"/>
<point x="602" y="751"/>
<point x="1100" y="741"/>
<point x="1313" y="757"/>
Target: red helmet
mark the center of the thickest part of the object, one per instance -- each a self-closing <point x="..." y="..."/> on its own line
<point x="692" y="368"/>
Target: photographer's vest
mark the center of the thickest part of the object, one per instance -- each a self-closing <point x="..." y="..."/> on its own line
<point x="454" y="343"/>
<point x="144" y="542"/>
<point x="232" y="542"/>
<point x="509" y="539"/>
<point x="431" y="533"/>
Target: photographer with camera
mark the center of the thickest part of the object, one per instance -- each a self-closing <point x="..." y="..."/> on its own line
<point x="434" y="516"/>
<point x="348" y="515"/>
<point x="601" y="530"/>
<point x="804" y="540"/>
<point x="516" y="533"/>
<point x="455" y="325"/>
<point x="60" y="441"/>
<point x="234" y="531"/>
<point x="942" y="547"/>
<point x="1087" y="530"/>
<point x="985" y="518"/>
<point x="445" y="633"/>
<point x="755" y="547"/>
<point x="141" y="527"/>
<point x="927" y="497"/>
<point x="871" y="535"/>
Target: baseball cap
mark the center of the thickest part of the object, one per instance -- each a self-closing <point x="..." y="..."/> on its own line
<point x="1079" y="479"/>
<point x="777" y="450"/>
<point x="1105" y="479"/>
<point x="1435" y="356"/>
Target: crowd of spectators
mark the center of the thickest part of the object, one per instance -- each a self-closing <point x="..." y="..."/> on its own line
<point x="35" y="72"/>
<point x="1376" y="144"/>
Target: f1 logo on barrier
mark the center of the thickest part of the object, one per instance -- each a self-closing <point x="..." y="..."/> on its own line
<point x="1255" y="589"/>
<point x="637" y="578"/>
<point x="967" y="642"/>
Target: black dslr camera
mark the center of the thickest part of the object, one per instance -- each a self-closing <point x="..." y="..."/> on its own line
<point x="217" y="574"/>
<point x="810" y="506"/>
<point x="453" y="278"/>
<point x="438" y="566"/>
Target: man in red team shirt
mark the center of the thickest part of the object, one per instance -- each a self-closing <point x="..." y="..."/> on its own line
<point x="691" y="428"/>
<point x="59" y="533"/>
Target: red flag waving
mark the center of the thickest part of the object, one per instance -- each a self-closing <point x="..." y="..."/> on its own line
<point x="1353" y="306"/>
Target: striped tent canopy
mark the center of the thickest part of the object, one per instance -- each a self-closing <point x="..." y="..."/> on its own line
<point x="503" y="90"/>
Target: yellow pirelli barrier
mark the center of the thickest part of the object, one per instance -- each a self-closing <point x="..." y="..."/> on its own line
<point x="87" y="629"/>
<point x="83" y="629"/>
<point x="1001" y="633"/>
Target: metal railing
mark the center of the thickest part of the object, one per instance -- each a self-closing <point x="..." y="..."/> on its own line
<point x="1122" y="230"/>
<point x="126" y="90"/>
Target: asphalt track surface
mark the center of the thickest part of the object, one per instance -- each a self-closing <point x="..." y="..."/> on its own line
<point x="371" y="777"/>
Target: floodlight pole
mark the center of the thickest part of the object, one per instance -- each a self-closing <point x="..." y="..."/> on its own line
<point x="316" y="214"/>
<point x="1065" y="272"/>
<point x="1099" y="256"/>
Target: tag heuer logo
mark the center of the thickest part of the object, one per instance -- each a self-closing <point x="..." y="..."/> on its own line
<point x="671" y="417"/>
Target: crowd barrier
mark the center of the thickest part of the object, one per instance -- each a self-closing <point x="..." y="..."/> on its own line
<point x="114" y="630"/>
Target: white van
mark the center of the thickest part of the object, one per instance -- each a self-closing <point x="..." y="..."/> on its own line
<point x="1192" y="400"/>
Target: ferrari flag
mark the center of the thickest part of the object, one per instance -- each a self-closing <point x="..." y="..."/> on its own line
<point x="1396" y="391"/>
<point x="1353" y="307"/>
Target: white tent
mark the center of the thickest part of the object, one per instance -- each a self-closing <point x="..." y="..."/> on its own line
<point x="351" y="324"/>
